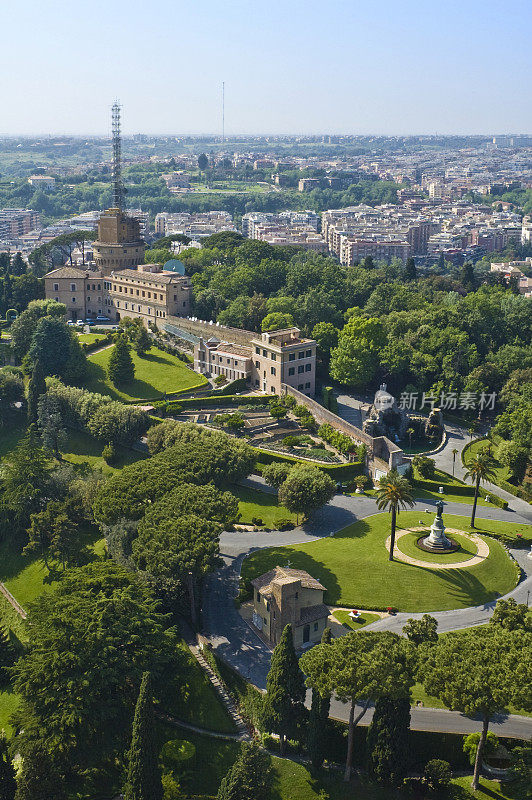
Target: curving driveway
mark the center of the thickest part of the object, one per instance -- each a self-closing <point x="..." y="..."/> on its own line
<point x="236" y="643"/>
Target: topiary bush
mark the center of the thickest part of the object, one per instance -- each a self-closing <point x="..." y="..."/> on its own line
<point x="177" y="754"/>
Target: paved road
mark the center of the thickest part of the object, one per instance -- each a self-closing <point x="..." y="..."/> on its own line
<point x="235" y="641"/>
<point x="458" y="438"/>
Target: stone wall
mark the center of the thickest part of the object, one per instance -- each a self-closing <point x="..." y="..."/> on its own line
<point x="378" y="449"/>
<point x="200" y="328"/>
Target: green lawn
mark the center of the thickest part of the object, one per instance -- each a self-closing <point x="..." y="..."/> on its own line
<point x="365" y="619"/>
<point x="12" y="432"/>
<point x="195" y="699"/>
<point x="353" y="566"/>
<point x="90" y="338"/>
<point x="261" y="505"/>
<point x="502" y="473"/>
<point x="83" y="449"/>
<point x="156" y="373"/>
<point x="8" y="703"/>
<point x="447" y="481"/>
<point x="407" y="545"/>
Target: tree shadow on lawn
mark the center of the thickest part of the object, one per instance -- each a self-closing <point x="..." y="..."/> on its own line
<point x="464" y="586"/>
<point x="136" y="389"/>
<point x="295" y="559"/>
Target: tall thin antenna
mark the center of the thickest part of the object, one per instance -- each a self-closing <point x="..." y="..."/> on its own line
<point x="118" y="188"/>
<point x="223" y="111"/>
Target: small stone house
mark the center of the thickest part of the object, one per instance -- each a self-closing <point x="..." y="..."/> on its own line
<point x="284" y="596"/>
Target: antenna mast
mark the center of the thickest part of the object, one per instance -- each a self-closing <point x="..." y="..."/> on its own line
<point x="223" y="111"/>
<point x="118" y="189"/>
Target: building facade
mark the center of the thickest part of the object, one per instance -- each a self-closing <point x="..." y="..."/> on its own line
<point x="271" y="360"/>
<point x="148" y="293"/>
<point x="289" y="596"/>
<point x="119" y="244"/>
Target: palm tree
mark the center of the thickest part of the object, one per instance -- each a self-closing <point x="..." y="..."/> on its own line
<point x="480" y="468"/>
<point x="410" y="432"/>
<point x="455" y="453"/>
<point x="395" y="493"/>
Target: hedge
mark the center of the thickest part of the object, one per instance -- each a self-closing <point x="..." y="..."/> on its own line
<point x="515" y="490"/>
<point x="222" y="400"/>
<point x="460" y="489"/>
<point x="103" y="342"/>
<point x="337" y="472"/>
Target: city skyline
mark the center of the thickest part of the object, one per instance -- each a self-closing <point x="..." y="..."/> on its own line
<point x="296" y="69"/>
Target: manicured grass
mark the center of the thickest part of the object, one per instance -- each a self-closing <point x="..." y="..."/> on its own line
<point x="156" y="373"/>
<point x="83" y="449"/>
<point x="261" y="505"/>
<point x="365" y="619"/>
<point x="461" y="788"/>
<point x="353" y="566"/>
<point x="195" y="699"/>
<point x="502" y="473"/>
<point x="407" y="545"/>
<point x="447" y="481"/>
<point x="8" y="703"/>
<point x="90" y="338"/>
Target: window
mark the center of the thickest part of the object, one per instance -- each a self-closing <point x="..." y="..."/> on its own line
<point x="265" y="353"/>
<point x="309" y="353"/>
<point x="291" y="356"/>
<point x="257" y="364"/>
<point x="56" y="299"/>
<point x="73" y="299"/>
<point x="138" y="293"/>
<point x="300" y="386"/>
<point x="257" y="351"/>
<point x="175" y="297"/>
<point x="301" y="354"/>
<point x="307" y="386"/>
<point x="315" y="626"/>
<point x="300" y="369"/>
<point x="274" y="357"/>
<point x="291" y="370"/>
<point x="72" y="287"/>
<point x="308" y="367"/>
<point x="297" y="595"/>
<point x="56" y="287"/>
<point x="272" y="370"/>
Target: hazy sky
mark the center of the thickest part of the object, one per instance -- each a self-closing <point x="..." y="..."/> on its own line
<point x="338" y="66"/>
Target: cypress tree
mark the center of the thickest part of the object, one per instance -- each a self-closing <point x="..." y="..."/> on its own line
<point x="285" y="691"/>
<point x="8" y="783"/>
<point x="121" y="368"/>
<point x="250" y="777"/>
<point x="318" y="719"/>
<point x="143" y="778"/>
<point x="410" y="269"/>
<point x="39" y="778"/>
<point x="36" y="387"/>
<point x="387" y="740"/>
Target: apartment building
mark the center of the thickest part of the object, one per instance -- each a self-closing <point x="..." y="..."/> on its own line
<point x="195" y="226"/>
<point x="44" y="182"/>
<point x="15" y="222"/>
<point x="270" y="360"/>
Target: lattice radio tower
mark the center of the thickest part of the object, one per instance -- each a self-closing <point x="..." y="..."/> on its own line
<point x="118" y="188"/>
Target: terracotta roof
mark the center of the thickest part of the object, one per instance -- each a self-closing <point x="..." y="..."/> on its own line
<point x="313" y="613"/>
<point x="285" y="575"/>
<point x="69" y="272"/>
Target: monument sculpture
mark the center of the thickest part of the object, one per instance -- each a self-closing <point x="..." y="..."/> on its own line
<point x="437" y="541"/>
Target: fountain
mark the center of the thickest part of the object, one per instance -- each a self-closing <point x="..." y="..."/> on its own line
<point x="437" y="541"/>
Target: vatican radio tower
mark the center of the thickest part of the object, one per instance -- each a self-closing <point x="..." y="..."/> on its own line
<point x="118" y="188"/>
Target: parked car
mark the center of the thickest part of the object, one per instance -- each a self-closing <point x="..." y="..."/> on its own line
<point x="79" y="323"/>
<point x="90" y="322"/>
<point x="103" y="319"/>
<point x="70" y="322"/>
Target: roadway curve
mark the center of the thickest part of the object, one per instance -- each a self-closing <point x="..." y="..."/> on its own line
<point x="240" y="647"/>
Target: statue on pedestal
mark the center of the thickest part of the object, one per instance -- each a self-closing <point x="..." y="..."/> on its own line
<point x="437" y="541"/>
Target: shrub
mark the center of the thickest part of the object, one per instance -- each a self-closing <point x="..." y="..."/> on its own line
<point x="176" y="754"/>
<point x="471" y="745"/>
<point x="109" y="453"/>
<point x="425" y="466"/>
<point x="284" y="524"/>
<point x="343" y="443"/>
<point x="437" y="775"/>
<point x="256" y="521"/>
<point x="220" y="380"/>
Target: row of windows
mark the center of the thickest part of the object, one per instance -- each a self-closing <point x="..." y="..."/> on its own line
<point x="291" y="356"/>
<point x="300" y="369"/>
<point x="124" y="289"/>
